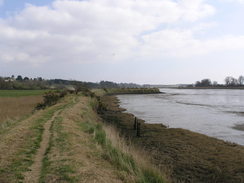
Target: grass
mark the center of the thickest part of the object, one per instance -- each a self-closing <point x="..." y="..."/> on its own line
<point x="117" y="152"/>
<point x="14" y="108"/>
<point x="24" y="157"/>
<point x="21" y="93"/>
<point x="59" y="168"/>
<point x="122" y="160"/>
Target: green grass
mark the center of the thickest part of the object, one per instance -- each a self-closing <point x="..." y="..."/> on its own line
<point x="122" y="161"/>
<point x="60" y="168"/>
<point x="21" y="93"/>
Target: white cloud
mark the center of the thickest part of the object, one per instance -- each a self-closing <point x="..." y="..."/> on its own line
<point x="182" y="44"/>
<point x="106" y="30"/>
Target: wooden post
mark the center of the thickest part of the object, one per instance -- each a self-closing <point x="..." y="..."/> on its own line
<point x="138" y="132"/>
<point x="135" y="123"/>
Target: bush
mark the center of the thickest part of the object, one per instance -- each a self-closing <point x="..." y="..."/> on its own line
<point x="51" y="98"/>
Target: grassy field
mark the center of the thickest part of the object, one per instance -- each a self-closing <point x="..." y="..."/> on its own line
<point x="15" y="108"/>
<point x="21" y="93"/>
<point x="15" y="104"/>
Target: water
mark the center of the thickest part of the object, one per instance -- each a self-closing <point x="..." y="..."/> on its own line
<point x="211" y="112"/>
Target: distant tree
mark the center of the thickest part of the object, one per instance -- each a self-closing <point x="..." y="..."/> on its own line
<point x="206" y="82"/>
<point x="108" y="84"/>
<point x="203" y="83"/>
<point x="39" y="79"/>
<point x="215" y="83"/>
<point x="231" y="81"/>
<point x="19" y="78"/>
<point x="241" y="80"/>
<point x="26" y="79"/>
<point x="198" y="83"/>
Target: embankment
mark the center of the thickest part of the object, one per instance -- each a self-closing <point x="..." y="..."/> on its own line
<point x="183" y="155"/>
<point x="67" y="142"/>
<point x="124" y="91"/>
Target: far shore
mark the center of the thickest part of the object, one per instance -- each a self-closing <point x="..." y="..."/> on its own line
<point x="212" y="87"/>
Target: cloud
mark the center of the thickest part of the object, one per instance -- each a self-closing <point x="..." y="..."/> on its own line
<point x="182" y="44"/>
<point x="1" y="2"/>
<point x="106" y="30"/>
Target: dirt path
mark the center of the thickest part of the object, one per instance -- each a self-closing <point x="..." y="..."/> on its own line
<point x="33" y="175"/>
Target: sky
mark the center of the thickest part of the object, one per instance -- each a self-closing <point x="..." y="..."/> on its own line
<point x="140" y="41"/>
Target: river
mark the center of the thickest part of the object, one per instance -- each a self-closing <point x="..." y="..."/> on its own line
<point x="214" y="112"/>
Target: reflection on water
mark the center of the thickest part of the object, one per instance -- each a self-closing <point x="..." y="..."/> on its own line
<point x="216" y="113"/>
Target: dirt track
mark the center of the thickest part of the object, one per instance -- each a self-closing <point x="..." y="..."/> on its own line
<point x="33" y="175"/>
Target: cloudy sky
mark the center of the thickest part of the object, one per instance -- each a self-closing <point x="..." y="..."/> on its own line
<point x="142" y="41"/>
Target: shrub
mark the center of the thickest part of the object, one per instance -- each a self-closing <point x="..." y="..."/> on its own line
<point x="51" y="98"/>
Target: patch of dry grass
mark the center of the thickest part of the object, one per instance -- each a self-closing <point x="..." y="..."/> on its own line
<point x="20" y="142"/>
<point x="16" y="107"/>
<point x="146" y="171"/>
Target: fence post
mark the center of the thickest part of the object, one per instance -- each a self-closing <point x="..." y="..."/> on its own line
<point x="138" y="132"/>
<point x="135" y="123"/>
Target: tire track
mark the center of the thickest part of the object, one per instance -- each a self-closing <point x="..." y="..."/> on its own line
<point x="33" y="175"/>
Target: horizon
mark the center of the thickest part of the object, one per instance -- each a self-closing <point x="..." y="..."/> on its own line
<point x="162" y="41"/>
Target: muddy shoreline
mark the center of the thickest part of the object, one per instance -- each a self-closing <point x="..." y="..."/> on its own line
<point x="183" y="155"/>
<point x="239" y="127"/>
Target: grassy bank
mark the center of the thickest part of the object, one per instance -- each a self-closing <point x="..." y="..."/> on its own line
<point x="82" y="149"/>
<point x="123" y="91"/>
<point x="184" y="155"/>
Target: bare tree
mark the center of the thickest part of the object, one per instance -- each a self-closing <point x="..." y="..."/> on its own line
<point x="241" y="80"/>
<point x="231" y="81"/>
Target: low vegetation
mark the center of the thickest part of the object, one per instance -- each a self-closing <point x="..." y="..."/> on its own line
<point x="113" y="91"/>
<point x="50" y="98"/>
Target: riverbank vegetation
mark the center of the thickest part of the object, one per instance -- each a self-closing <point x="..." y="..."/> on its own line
<point x="121" y="91"/>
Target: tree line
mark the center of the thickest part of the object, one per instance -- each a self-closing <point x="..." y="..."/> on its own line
<point x="24" y="82"/>
<point x="229" y="81"/>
